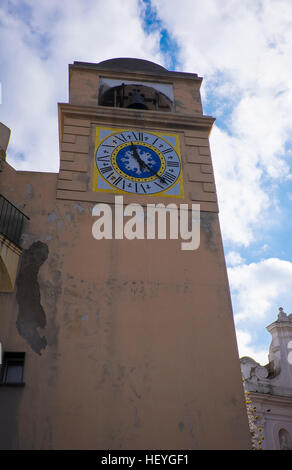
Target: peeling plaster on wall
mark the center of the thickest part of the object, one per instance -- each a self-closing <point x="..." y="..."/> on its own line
<point x="51" y="288"/>
<point x="79" y="208"/>
<point x="52" y="216"/>
<point x="207" y="220"/>
<point x="28" y="238"/>
<point x="31" y="314"/>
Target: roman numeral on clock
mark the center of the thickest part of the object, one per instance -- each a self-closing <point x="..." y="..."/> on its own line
<point x="103" y="159"/>
<point x="167" y="150"/>
<point x="106" y="169"/>
<point x="168" y="177"/>
<point x="157" y="184"/>
<point x="117" y="181"/>
<point x="122" y="138"/>
<point x="173" y="164"/>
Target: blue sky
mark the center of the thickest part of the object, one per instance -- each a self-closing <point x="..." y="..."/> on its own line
<point x="243" y="50"/>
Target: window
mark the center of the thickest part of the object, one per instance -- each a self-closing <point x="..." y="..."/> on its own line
<point x="285" y="440"/>
<point x="12" y="368"/>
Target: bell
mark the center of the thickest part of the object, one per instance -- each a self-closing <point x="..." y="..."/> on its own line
<point x="136" y="101"/>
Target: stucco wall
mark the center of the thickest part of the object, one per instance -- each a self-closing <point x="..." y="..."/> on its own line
<point x="123" y="338"/>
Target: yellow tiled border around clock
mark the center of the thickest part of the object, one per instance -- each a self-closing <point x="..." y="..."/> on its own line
<point x="111" y="130"/>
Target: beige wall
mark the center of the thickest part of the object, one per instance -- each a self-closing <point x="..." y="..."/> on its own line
<point x="130" y="344"/>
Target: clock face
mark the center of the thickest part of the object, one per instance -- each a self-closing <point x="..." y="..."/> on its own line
<point x="138" y="162"/>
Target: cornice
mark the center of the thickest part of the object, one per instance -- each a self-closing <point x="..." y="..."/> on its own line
<point x="268" y="398"/>
<point x="166" y="75"/>
<point x="115" y="116"/>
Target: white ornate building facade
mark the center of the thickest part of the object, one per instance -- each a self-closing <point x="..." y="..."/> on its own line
<point x="269" y="389"/>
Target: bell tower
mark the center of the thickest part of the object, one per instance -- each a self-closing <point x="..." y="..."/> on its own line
<point x="133" y="340"/>
<point x="167" y="360"/>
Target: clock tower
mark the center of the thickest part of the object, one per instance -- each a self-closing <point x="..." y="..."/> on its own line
<point x="132" y="342"/>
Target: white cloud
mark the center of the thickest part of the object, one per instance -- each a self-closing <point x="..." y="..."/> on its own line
<point x="233" y="258"/>
<point x="245" y="348"/>
<point x="41" y="39"/>
<point x="242" y="200"/>
<point x="258" y="289"/>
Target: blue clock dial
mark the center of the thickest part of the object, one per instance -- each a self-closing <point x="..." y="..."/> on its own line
<point x="132" y="166"/>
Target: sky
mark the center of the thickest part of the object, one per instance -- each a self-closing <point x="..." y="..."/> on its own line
<point x="243" y="50"/>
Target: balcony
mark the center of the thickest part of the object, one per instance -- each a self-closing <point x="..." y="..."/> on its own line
<point x="11" y="224"/>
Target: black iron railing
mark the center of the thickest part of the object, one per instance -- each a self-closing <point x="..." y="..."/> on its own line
<point x="11" y="221"/>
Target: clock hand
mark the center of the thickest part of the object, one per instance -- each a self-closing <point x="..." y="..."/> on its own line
<point x="156" y="174"/>
<point x="137" y="156"/>
<point x="143" y="164"/>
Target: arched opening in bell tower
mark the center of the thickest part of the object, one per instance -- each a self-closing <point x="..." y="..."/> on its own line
<point x="135" y="96"/>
